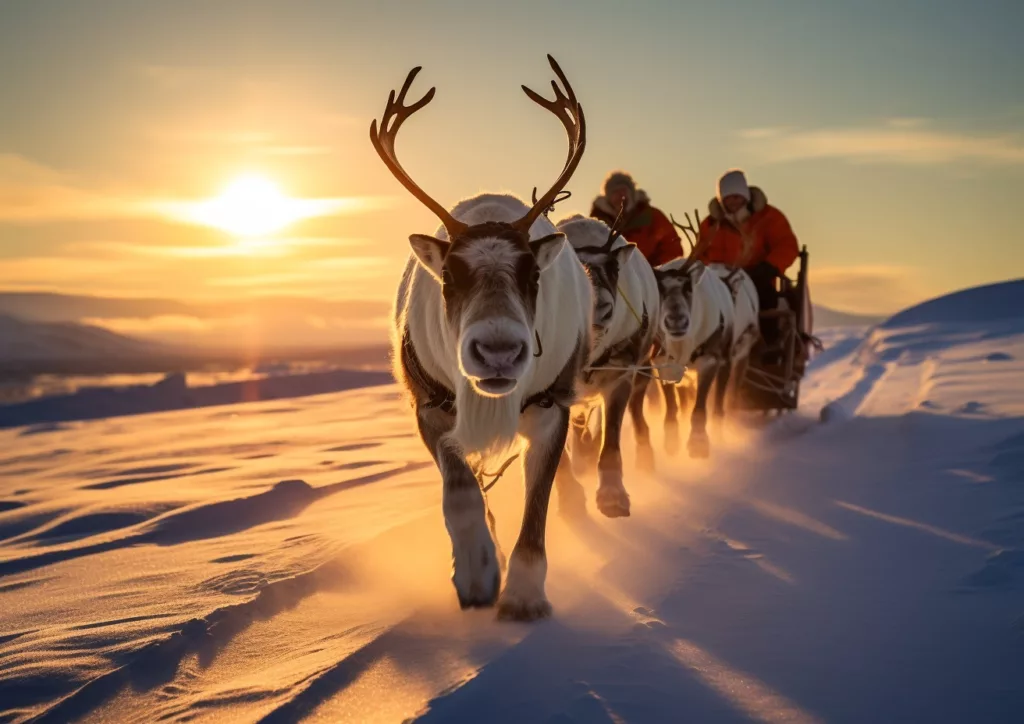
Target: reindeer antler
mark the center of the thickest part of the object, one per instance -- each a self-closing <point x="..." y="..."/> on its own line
<point x="697" y="242"/>
<point x="383" y="141"/>
<point x="559" y="198"/>
<point x="614" y="230"/>
<point x="569" y="111"/>
<point x="687" y="229"/>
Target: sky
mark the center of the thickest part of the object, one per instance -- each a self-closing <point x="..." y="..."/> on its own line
<point x="890" y="133"/>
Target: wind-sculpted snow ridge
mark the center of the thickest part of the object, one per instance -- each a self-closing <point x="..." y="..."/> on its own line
<point x="978" y="305"/>
<point x="939" y="349"/>
<point x="172" y="393"/>
<point x="288" y="562"/>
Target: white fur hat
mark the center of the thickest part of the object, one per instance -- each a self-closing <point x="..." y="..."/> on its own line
<point x="618" y="180"/>
<point x="733" y="182"/>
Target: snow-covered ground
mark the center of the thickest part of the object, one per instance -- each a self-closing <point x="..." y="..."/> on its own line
<point x="287" y="560"/>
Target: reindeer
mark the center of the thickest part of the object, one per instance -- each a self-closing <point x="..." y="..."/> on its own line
<point x="746" y="327"/>
<point x="491" y="328"/>
<point x="746" y="306"/>
<point x="626" y="309"/>
<point x="695" y="328"/>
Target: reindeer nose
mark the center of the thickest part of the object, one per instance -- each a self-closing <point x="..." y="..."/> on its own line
<point x="498" y="354"/>
<point x="677" y="324"/>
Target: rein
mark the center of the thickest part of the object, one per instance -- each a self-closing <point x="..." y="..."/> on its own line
<point x="496" y="476"/>
<point x="629" y="305"/>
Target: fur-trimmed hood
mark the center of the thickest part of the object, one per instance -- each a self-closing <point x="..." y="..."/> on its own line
<point x="758" y="202"/>
<point x="602" y="204"/>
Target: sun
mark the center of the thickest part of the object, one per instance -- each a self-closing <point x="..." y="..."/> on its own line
<point x="250" y="206"/>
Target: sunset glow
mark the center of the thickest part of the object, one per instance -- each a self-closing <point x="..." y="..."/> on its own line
<point x="251" y="206"/>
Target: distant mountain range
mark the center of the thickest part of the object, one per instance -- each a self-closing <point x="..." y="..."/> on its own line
<point x="53" y="307"/>
<point x="58" y="333"/>
<point x="257" y="325"/>
<point x="44" y="333"/>
<point x="30" y="341"/>
<point x="825" y="317"/>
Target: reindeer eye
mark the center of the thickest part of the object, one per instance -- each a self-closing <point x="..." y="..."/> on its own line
<point x="535" y="276"/>
<point x="446" y="278"/>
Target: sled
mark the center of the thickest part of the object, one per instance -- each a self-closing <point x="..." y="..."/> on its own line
<point x="771" y="382"/>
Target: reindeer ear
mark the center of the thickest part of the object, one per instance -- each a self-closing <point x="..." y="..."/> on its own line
<point x="547" y="249"/>
<point x="430" y="251"/>
<point x="697" y="272"/>
<point x="735" y="282"/>
<point x="623" y="253"/>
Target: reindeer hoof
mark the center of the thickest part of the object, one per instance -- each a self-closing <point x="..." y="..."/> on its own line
<point x="645" y="458"/>
<point x="512" y="609"/>
<point x="480" y="596"/>
<point x="613" y="502"/>
<point x="699" y="446"/>
<point x="476" y="566"/>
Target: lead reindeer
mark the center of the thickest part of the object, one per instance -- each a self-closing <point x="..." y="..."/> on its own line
<point x="626" y="309"/>
<point x="491" y="328"/>
<point x="697" y="329"/>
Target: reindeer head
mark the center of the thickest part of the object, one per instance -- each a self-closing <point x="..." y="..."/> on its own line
<point x="677" y="281"/>
<point x="489" y="272"/>
<point x="676" y="285"/>
<point x="594" y="243"/>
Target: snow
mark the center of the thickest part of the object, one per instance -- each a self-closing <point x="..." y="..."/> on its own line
<point x="173" y="392"/>
<point x="285" y="560"/>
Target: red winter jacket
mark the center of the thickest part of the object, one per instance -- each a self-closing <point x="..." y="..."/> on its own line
<point x="644" y="226"/>
<point x="770" y="237"/>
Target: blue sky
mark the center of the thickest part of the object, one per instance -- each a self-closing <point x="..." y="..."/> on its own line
<point x="891" y="134"/>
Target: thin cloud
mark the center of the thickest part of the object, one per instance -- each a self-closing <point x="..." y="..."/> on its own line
<point x="324" y="270"/>
<point x="206" y="212"/>
<point x="159" y="324"/>
<point x="31" y="193"/>
<point x="296" y="151"/>
<point x="899" y="140"/>
<point x="247" y="248"/>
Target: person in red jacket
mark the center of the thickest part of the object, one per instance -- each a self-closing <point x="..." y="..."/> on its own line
<point x="642" y="224"/>
<point x="744" y="230"/>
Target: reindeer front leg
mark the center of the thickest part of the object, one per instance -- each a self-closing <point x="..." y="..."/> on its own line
<point x="641" y="430"/>
<point x="670" y="391"/>
<point x="612" y="498"/>
<point x="722" y="386"/>
<point x="476" y="565"/>
<point x="698" y="444"/>
<point x="739" y="374"/>
<point x="523" y="598"/>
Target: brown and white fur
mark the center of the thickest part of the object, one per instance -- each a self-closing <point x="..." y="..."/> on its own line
<point x="469" y="321"/>
<point x="696" y="329"/>
<point x="620" y="341"/>
<point x="746" y="326"/>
